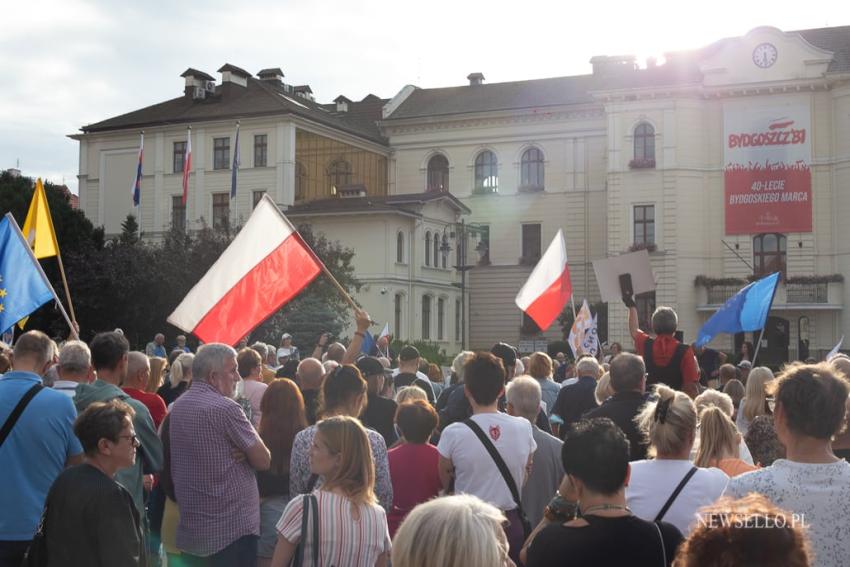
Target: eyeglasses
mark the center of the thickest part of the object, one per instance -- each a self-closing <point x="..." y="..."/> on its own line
<point x="134" y="440"/>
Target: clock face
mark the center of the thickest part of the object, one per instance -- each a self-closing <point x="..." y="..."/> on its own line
<point x="764" y="55"/>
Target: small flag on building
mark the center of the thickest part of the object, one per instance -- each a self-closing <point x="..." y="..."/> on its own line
<point x="136" y="190"/>
<point x="746" y="311"/>
<point x="266" y="266"/>
<point x="23" y="285"/>
<point x="548" y="287"/>
<point x="187" y="166"/>
<point x="234" y="167"/>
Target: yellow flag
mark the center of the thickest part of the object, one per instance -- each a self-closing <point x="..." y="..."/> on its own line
<point x="38" y="227"/>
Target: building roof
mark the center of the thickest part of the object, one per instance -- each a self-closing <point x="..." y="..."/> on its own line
<point x="683" y="69"/>
<point x="190" y="72"/>
<point x="258" y="98"/>
<point x="404" y="204"/>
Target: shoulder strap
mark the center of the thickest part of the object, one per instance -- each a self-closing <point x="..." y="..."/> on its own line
<point x="299" y="549"/>
<point x="497" y="458"/>
<point x="648" y="357"/>
<point x="314" y="503"/>
<point x="675" y="494"/>
<point x="663" y="548"/>
<point x="19" y="409"/>
<point x="678" y="355"/>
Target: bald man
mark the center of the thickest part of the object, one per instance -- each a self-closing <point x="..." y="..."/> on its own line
<point x="136" y="383"/>
<point x="309" y="378"/>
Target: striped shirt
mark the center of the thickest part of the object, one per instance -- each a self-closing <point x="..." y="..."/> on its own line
<point x="344" y="541"/>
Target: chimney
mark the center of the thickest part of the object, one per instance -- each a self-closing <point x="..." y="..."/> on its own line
<point x="233" y="74"/>
<point x="475" y="79"/>
<point x="613" y="64"/>
<point x="199" y="85"/>
<point x="273" y="75"/>
<point x="304" y="91"/>
<point x="342" y="103"/>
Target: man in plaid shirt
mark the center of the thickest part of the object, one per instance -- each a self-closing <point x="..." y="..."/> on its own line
<point x="214" y="453"/>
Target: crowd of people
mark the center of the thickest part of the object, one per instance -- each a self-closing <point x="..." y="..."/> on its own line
<point x="255" y="455"/>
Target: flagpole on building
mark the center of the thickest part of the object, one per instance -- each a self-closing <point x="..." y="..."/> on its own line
<point x="44" y="277"/>
<point x="761" y="333"/>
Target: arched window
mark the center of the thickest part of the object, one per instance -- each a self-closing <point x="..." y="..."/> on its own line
<point x="769" y="253"/>
<point x="486" y="173"/>
<point x="397" y="316"/>
<point x="339" y="175"/>
<point x="428" y="248"/>
<point x="426" y="317"/>
<point x="444" y="250"/>
<point x="399" y="247"/>
<point x="438" y="173"/>
<point x="645" y="144"/>
<point x="300" y="181"/>
<point x="436" y="250"/>
<point x="441" y="319"/>
<point x="531" y="170"/>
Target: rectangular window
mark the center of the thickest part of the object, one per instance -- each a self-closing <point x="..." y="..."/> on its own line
<point x="483" y="247"/>
<point x="178" y="213"/>
<point x="179" y="156"/>
<point x="530" y="244"/>
<point x="426" y="317"/>
<point x="261" y="150"/>
<point x="645" y="308"/>
<point x="644" y="224"/>
<point x="441" y="319"/>
<point x="257" y="195"/>
<point x="221" y="153"/>
<point x="220" y="210"/>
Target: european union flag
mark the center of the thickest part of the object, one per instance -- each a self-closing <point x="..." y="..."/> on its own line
<point x="746" y="311"/>
<point x="23" y="286"/>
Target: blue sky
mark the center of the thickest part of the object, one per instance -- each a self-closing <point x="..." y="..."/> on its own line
<point x="66" y="63"/>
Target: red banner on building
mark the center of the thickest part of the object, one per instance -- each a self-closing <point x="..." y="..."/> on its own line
<point x="768" y="183"/>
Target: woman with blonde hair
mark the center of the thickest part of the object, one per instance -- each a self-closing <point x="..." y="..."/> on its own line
<point x="178" y="379"/>
<point x="723" y="401"/>
<point x="604" y="390"/>
<point x="541" y="368"/>
<point x="669" y="487"/>
<point x="719" y="440"/>
<point x="410" y="394"/>
<point x="352" y="528"/>
<point x="754" y="403"/>
<point x="158" y="367"/>
<point x="454" y="531"/>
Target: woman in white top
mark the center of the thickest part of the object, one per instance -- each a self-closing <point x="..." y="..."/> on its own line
<point x="810" y="482"/>
<point x="670" y="487"/>
<point x="754" y="403"/>
<point x="723" y="401"/>
<point x="352" y="527"/>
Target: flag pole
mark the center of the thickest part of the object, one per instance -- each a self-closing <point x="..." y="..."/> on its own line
<point x="761" y="333"/>
<point x="65" y="285"/>
<point x="14" y="225"/>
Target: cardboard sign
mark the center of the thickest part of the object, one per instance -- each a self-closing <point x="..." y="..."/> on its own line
<point x="609" y="270"/>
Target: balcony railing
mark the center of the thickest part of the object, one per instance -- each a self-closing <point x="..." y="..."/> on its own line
<point x="717" y="295"/>
<point x="807" y="293"/>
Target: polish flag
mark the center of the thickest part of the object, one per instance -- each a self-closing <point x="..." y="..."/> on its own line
<point x="548" y="287"/>
<point x="266" y="266"/>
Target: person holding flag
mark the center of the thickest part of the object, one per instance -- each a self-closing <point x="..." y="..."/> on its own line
<point x="667" y="360"/>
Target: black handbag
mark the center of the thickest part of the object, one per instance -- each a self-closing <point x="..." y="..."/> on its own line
<point x="36" y="555"/>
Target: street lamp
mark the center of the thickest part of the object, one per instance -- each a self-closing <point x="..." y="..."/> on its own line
<point x="463" y="232"/>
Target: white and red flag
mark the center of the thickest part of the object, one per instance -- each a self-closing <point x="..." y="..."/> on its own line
<point x="548" y="287"/>
<point x="266" y="266"/>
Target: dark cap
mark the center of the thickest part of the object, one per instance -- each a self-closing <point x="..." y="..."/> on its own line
<point x="408" y="352"/>
<point x="506" y="352"/>
<point x="370" y="366"/>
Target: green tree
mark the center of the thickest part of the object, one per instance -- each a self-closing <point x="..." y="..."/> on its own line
<point x="129" y="230"/>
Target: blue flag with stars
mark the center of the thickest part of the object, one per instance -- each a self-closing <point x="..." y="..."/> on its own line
<point x="23" y="286"/>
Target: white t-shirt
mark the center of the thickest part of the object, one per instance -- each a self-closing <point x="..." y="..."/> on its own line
<point x="475" y="471"/>
<point x="652" y="482"/>
<point x="254" y="390"/>
<point x="817" y="493"/>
